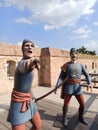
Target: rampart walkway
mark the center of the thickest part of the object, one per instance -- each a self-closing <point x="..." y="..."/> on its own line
<point x="50" y="110"/>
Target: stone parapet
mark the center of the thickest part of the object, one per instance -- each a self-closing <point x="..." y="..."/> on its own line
<point x="51" y="60"/>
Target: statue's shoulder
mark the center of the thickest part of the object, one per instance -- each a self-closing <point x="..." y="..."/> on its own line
<point x="65" y="66"/>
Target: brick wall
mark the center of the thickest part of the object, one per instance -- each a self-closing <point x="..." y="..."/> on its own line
<point x="51" y="61"/>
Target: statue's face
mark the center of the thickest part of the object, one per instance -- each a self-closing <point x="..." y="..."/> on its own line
<point x="74" y="56"/>
<point x="28" y="50"/>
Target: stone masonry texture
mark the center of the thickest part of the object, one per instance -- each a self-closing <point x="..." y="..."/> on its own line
<point x="51" y="59"/>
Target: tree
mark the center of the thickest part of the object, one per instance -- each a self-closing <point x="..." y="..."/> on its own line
<point x="83" y="50"/>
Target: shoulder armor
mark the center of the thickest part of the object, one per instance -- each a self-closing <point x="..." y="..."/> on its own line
<point x="64" y="66"/>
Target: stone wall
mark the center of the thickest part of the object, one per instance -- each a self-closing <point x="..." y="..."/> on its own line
<point x="51" y="61"/>
<point x="11" y="55"/>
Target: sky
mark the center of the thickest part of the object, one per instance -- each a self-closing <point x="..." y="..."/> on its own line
<point x="60" y="24"/>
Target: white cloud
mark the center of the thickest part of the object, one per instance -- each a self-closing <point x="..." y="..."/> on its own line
<point x="47" y="27"/>
<point x="83" y="32"/>
<point x="96" y="23"/>
<point x="92" y="45"/>
<point x="54" y="13"/>
<point x="23" y="20"/>
<point x="19" y="43"/>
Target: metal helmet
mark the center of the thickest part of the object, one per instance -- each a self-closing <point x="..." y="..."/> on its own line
<point x="26" y="41"/>
<point x="73" y="50"/>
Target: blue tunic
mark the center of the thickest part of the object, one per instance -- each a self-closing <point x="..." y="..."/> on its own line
<point x="74" y="70"/>
<point x="22" y="83"/>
